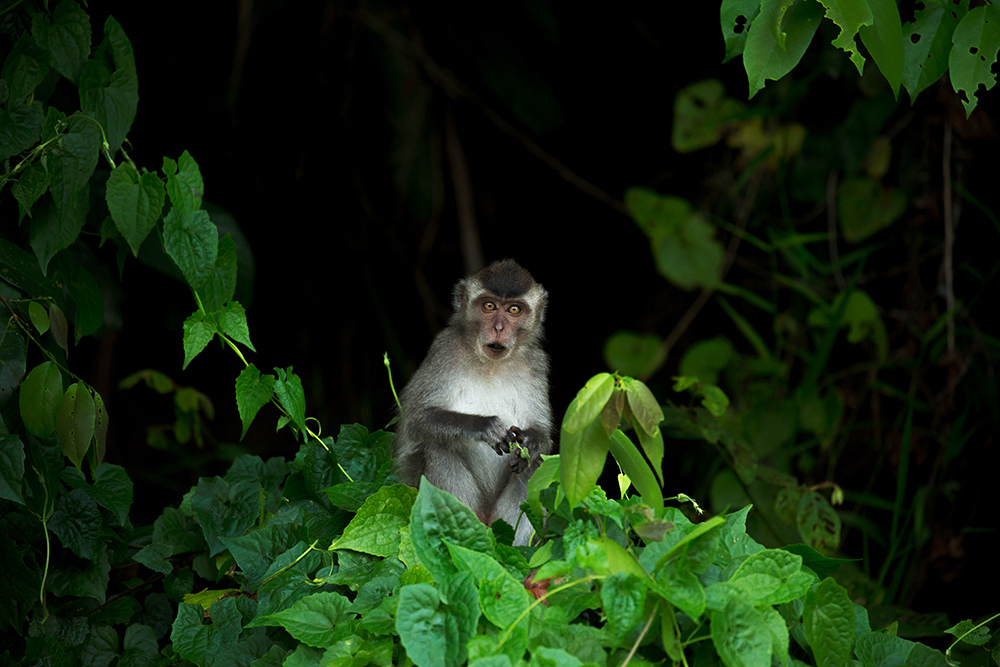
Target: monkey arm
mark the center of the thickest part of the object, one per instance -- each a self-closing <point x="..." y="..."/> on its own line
<point x="446" y="426"/>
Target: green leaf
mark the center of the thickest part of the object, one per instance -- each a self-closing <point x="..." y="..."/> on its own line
<point x="589" y="402"/>
<point x="76" y="521"/>
<point x="977" y="41"/>
<point x="38" y="316"/>
<point x="11" y="467"/>
<point x="436" y="517"/>
<point x="83" y="577"/>
<point x="184" y="183"/>
<point x="220" y="287"/>
<point x="85" y="293"/>
<point x="741" y="635"/>
<point x="818" y="523"/>
<point x="702" y="113"/>
<point x="224" y="510"/>
<point x="763" y="57"/>
<point x="135" y="203"/>
<point x="13" y="354"/>
<point x="192" y="241"/>
<point x="633" y="465"/>
<point x="736" y="16"/>
<point x="40" y="396"/>
<point x="849" y="16"/>
<point x="375" y="529"/>
<point x="233" y="323"/>
<point x="66" y="37"/>
<point x="253" y="391"/>
<point x="435" y="629"/>
<point x="772" y="577"/>
<point x="676" y="583"/>
<point x="582" y="456"/>
<point x="927" y="45"/>
<point x="24" y="67"/>
<point x="313" y="620"/>
<point x="198" y="333"/>
<point x="112" y="488"/>
<point x="645" y="409"/>
<point x="20" y="127"/>
<point x="502" y="597"/>
<point x="974" y="637"/>
<point x="828" y="621"/>
<point x="59" y="223"/>
<point x="623" y="597"/>
<point x="633" y="354"/>
<point x="32" y="184"/>
<point x="140" y="647"/>
<point x="865" y="207"/>
<point x="75" y="422"/>
<point x="207" y="644"/>
<point x="707" y="358"/>
<point x="288" y="389"/>
<point x="112" y="96"/>
<point x="682" y="241"/>
<point x="875" y="649"/>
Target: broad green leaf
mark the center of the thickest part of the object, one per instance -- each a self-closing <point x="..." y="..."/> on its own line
<point x="192" y="241"/>
<point x="66" y="37"/>
<point x="502" y="597"/>
<point x="233" y="323"/>
<point x="582" y="455"/>
<point x="84" y="578"/>
<point x="140" y="646"/>
<point x="741" y="635"/>
<point x="111" y="96"/>
<point x="20" y="126"/>
<point x="11" y="467"/>
<point x="60" y="327"/>
<point x="707" y="358"/>
<point x="970" y="634"/>
<point x="14" y="355"/>
<point x="623" y="597"/>
<point x="435" y="629"/>
<point x="101" y="647"/>
<point x="40" y="396"/>
<point x="184" y="183"/>
<point x="772" y="577"/>
<point x="207" y="644"/>
<point x="438" y="516"/>
<point x="198" y="332"/>
<point x="589" y="402"/>
<point x="291" y="396"/>
<point x="112" y="488"/>
<point x="375" y="528"/>
<point x="849" y="16"/>
<point x="24" y="67"/>
<point x="224" y="510"/>
<point x="818" y="523"/>
<point x="977" y="41"/>
<point x="253" y="391"/>
<point x="828" y="620"/>
<point x="702" y="113"/>
<point x="736" y="16"/>
<point x="548" y="472"/>
<point x="927" y="44"/>
<point x="59" y="223"/>
<point x="633" y="465"/>
<point x="75" y="422"/>
<point x="633" y="354"/>
<point x="865" y="206"/>
<point x="875" y="649"/>
<point x="643" y="405"/>
<point x="313" y="620"/>
<point x="76" y="521"/>
<point x="33" y="183"/>
<point x="763" y="57"/>
<point x="135" y="203"/>
<point x="39" y="316"/>
<point x="220" y="286"/>
<point x="676" y="583"/>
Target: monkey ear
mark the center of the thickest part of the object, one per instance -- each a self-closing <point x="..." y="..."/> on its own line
<point x="458" y="294"/>
<point x="543" y="302"/>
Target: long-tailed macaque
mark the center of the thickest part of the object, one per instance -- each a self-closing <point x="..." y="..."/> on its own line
<point x="483" y="385"/>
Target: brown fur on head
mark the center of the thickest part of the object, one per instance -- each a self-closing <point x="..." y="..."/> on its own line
<point x="501" y="308"/>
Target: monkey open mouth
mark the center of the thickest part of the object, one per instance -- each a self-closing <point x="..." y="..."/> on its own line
<point x="497" y="347"/>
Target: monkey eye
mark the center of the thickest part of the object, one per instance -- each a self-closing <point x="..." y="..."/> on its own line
<point x="489" y="306"/>
<point x="514" y="310"/>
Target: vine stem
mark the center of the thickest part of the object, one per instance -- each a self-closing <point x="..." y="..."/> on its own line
<point x="587" y="579"/>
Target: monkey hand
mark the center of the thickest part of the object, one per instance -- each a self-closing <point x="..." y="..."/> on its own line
<point x="522" y="452"/>
<point x="497" y="435"/>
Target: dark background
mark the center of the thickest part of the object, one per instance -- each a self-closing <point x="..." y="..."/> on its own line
<point x="322" y="129"/>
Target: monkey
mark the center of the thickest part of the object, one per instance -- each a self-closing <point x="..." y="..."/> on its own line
<point x="483" y="384"/>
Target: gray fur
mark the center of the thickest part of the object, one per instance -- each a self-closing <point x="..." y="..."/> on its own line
<point x="458" y="408"/>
